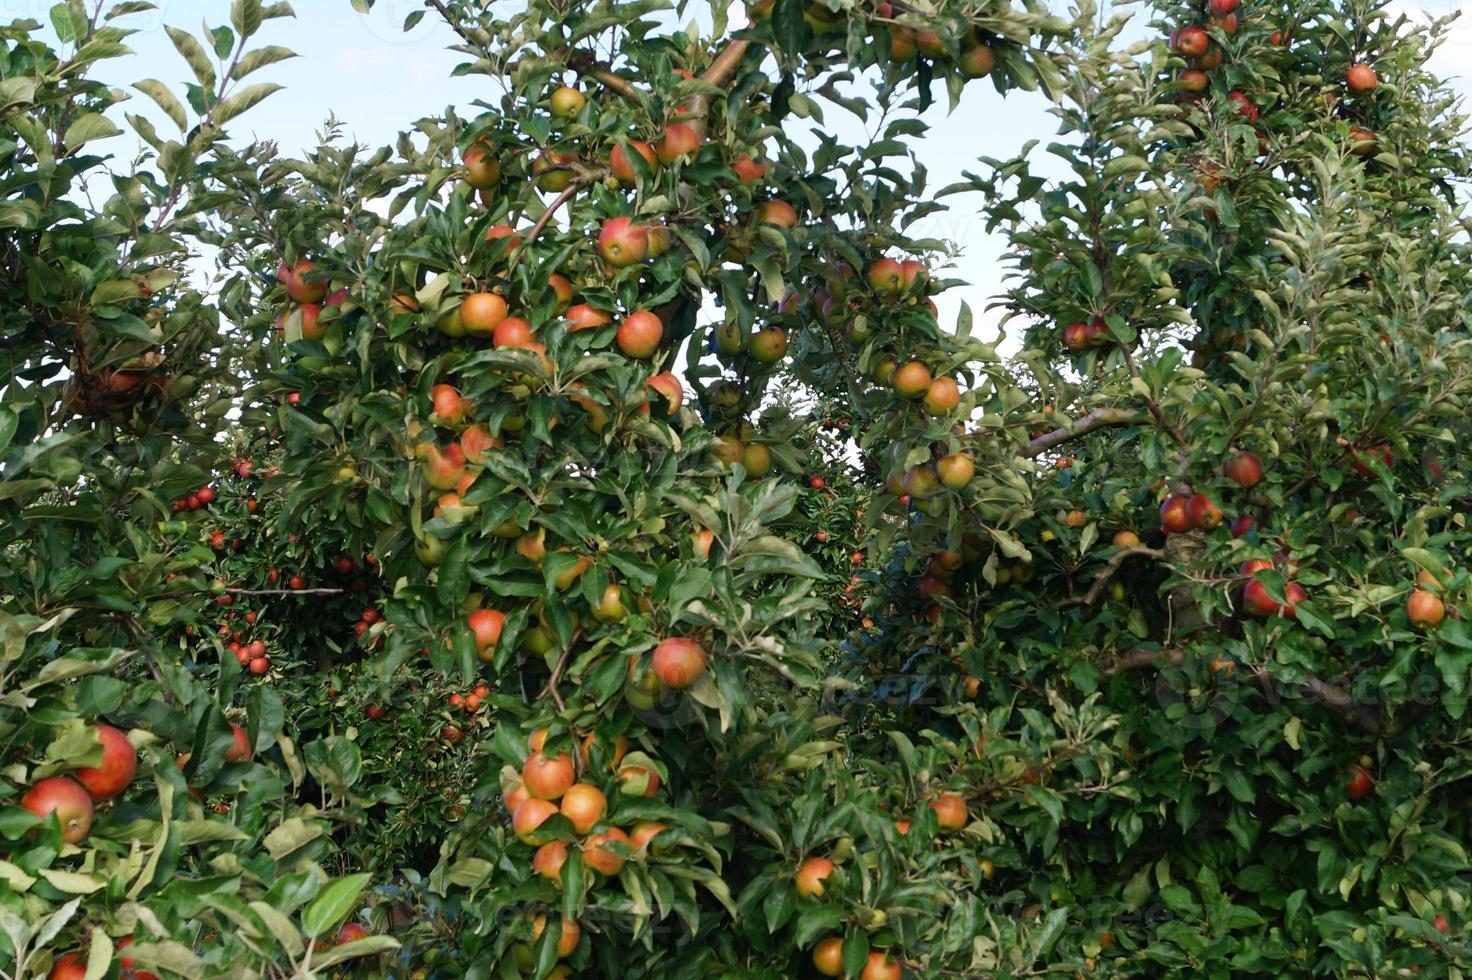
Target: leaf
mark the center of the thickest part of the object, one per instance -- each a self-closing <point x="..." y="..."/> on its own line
<point x="245" y="17"/>
<point x="195" y="55"/>
<point x="260" y="58"/>
<point x="92" y="126"/>
<point x="160" y="93"/>
<point x="19" y="90"/>
<point x="367" y="946"/>
<point x="281" y="927"/>
<point x="331" y="907"/>
<point x="243" y="100"/>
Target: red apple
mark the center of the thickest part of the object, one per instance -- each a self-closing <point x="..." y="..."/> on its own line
<point x="116" y="770"/>
<point x="749" y="171"/>
<point x="300" y="288"/>
<point x="679" y="140"/>
<point x="1425" y="609"/>
<point x="623" y="243"/>
<point x="639" y="334"/>
<point x="1192" y="41"/>
<point x="547" y="777"/>
<point x="1203" y="513"/>
<point x="482" y="169"/>
<point x="810" y="877"/>
<point x="679" y="662"/>
<point x="1242" y="525"/>
<point x="886" y="276"/>
<point x="620" y="164"/>
<point x="1244" y="469"/>
<point x="1361" y="79"/>
<point x="1360" y="782"/>
<point x="1175" y="518"/>
<point x="64" y="797"/>
<point x="778" y="213"/>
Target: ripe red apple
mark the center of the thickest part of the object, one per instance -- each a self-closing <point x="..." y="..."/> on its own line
<point x="1076" y="337"/>
<point x="547" y="777"/>
<point x="668" y="384"/>
<point x="942" y="396"/>
<point x="644" y="832"/>
<point x="1361" y="141"/>
<point x="886" y="276"/>
<point x="64" y="797"/>
<point x="567" y="102"/>
<point x="903" y="45"/>
<point x="1175" y="517"/>
<point x="1226" y="23"/>
<point x="620" y="164"/>
<point x="1193" y="80"/>
<point x="1242" y="525"/>
<point x="950" y="811"/>
<point x="1224" y="6"/>
<point x="1293" y="594"/>
<point x="1256" y="600"/>
<point x="116" y="770"/>
<point x="482" y="169"/>
<point x="71" y="966"/>
<point x="881" y="967"/>
<point x="514" y="331"/>
<point x="1441" y="924"/>
<point x="639" y="334"/>
<point x="1192" y="41"/>
<point x="1203" y="512"/>
<point x="679" y="662"/>
<point x="549" y="859"/>
<point x="1244" y="468"/>
<point x="1244" y="106"/>
<point x="623" y="243"/>
<point x="300" y="288"/>
<point x="1360" y="782"/>
<point x="810" y="877"/>
<point x="603" y="858"/>
<point x="749" y="171"/>
<point x="778" y="213"/>
<point x="240" y="748"/>
<point x="443" y="468"/>
<point x="584" y="317"/>
<point x="529" y="817"/>
<point x="767" y="346"/>
<point x="911" y="380"/>
<point x="481" y="312"/>
<point x="447" y="404"/>
<point x="1361" y="79"/>
<point x="486" y="624"/>
<point x="679" y="140"/>
<point x="584" y="805"/>
<point x="1425" y="609"/>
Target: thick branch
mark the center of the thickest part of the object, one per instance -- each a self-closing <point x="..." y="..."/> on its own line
<point x="1336" y="699"/>
<point x="697" y="110"/>
<point x="1097" y="419"/>
<point x="601" y="72"/>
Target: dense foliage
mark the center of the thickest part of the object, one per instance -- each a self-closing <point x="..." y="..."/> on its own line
<point x="567" y="542"/>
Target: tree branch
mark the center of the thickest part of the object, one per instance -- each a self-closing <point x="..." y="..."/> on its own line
<point x="1316" y="689"/>
<point x="1107" y="573"/>
<point x="1097" y="419"/>
<point x="697" y="110"/>
<point x="588" y="67"/>
<point x="285" y="591"/>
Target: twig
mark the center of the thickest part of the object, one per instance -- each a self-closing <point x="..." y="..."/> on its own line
<point x="1107" y="573"/>
<point x="450" y="19"/>
<point x="562" y="662"/>
<point x="1097" y="419"/>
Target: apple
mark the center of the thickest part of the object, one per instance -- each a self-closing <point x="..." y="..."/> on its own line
<point x="921" y="481"/>
<point x="1175" y="518"/>
<point x="728" y="451"/>
<point x="1361" y="79"/>
<point x="679" y="662"/>
<point x="1425" y="609"/>
<point x="1441" y="924"/>
<point x="1126" y="539"/>
<point x="447" y="404"/>
<point x="678" y="141"/>
<point x="567" y="102"/>
<point x="553" y="171"/>
<point x="584" y="805"/>
<point x="1243" y="468"/>
<point x="561" y="287"/>
<point x="529" y="817"/>
<point x="668" y="384"/>
<point x="702" y="540"/>
<point x="767" y="346"/>
<point x="486" y="624"/>
<point x="444" y="467"/>
<point x="1226" y="23"/>
<point x="564" y="579"/>
<point x="644" y="832"/>
<point x="1076" y="337"/>
<point x="549" y="859"/>
<point x="621" y="165"/>
<point x="1381" y="452"/>
<point x="914" y="275"/>
<point x="623" y="243"/>
<point x="67" y="799"/>
<point x="1242" y="525"/>
<point x="810" y="877"/>
<point x="513" y="331"/>
<point x="1224" y="6"/>
<point x="1193" y="80"/>
<point x="1202" y="512"/>
<point x="950" y="811"/>
<point x="749" y="171"/>
<point x="547" y="777"/>
<point x="1360" y="782"/>
<point x="902" y="44"/>
<point x="756" y="459"/>
<point x="886" y="276"/>
<point x="567" y="939"/>
<point x="978" y="61"/>
<point x="617" y="748"/>
<point x="240" y="749"/>
<point x="304" y="319"/>
<point x="1244" y="106"/>
<point x="72" y="966"/>
<point x="660" y="239"/>
<point x="1361" y="141"/>
<point x="482" y="169"/>
<point x="639" y="780"/>
<point x="778" y="213"/>
<point x="955" y="470"/>
<point x="300" y="288"/>
<point x="481" y="312"/>
<point x="476" y="442"/>
<point x="1193" y="41"/>
<point x="828" y="956"/>
<point x="639" y="334"/>
<point x="881" y="967"/>
<point x="911" y="380"/>
<point x="603" y="858"/>
<point x="942" y="396"/>
<point x="116" y="770"/>
<point x="584" y="317"/>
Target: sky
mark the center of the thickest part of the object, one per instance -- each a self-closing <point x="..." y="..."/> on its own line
<point x="376" y="80"/>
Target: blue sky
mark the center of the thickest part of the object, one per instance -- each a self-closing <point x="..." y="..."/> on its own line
<point x="376" y="80"/>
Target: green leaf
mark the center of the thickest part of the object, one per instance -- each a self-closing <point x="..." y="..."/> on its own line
<point x="245" y="16"/>
<point x="195" y="55"/>
<point x="92" y="126"/>
<point x="160" y="93"/>
<point x="260" y="58"/>
<point x="243" y="100"/>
